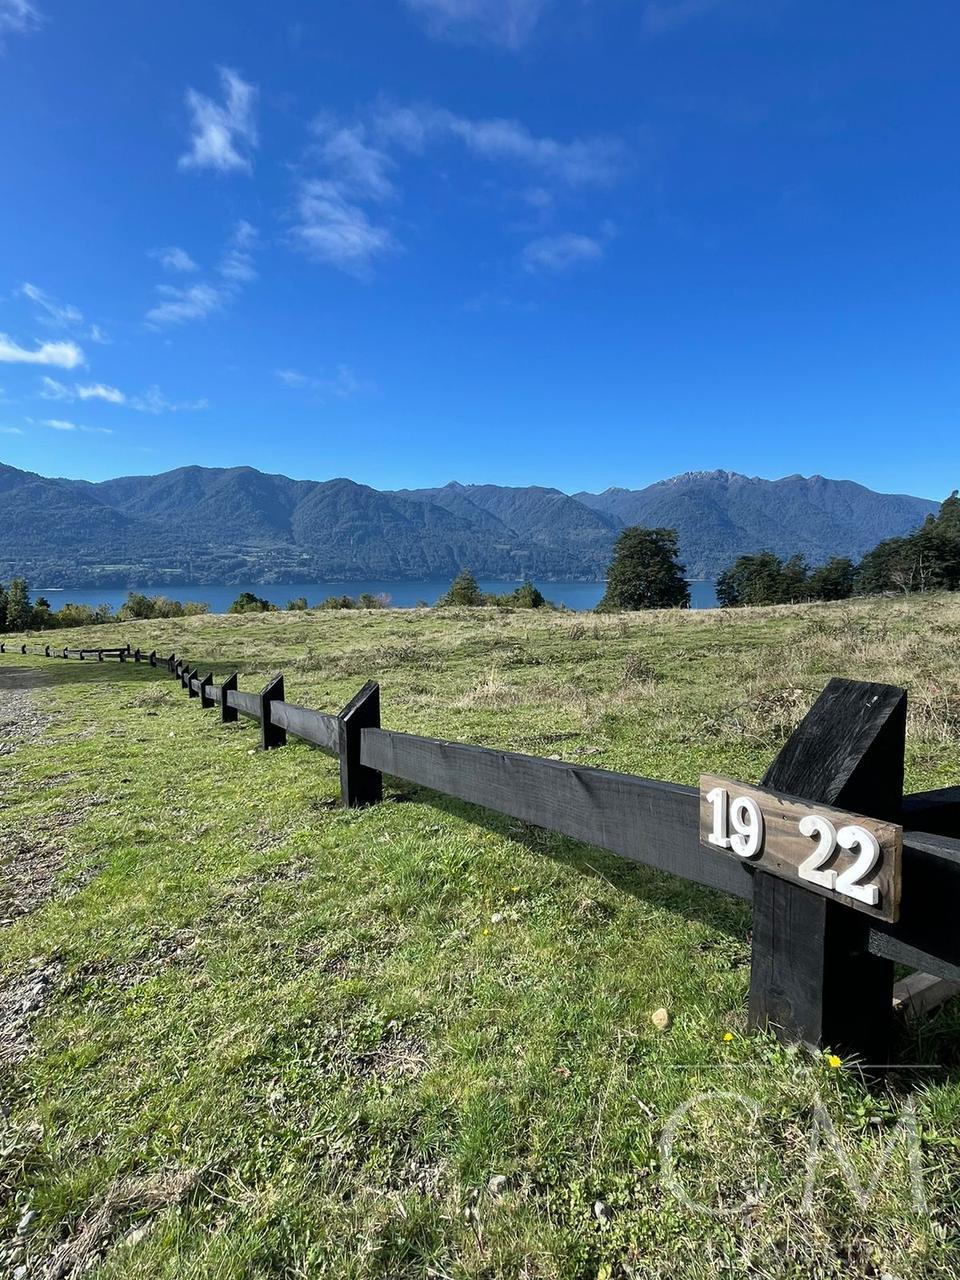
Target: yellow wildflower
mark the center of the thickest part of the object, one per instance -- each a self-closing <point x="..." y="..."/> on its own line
<point x="834" y="1062"/>
<point x="727" y="1036"/>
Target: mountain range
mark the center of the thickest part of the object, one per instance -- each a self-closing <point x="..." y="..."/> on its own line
<point x="203" y="525"/>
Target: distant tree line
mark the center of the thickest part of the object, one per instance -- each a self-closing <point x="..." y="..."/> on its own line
<point x="17" y="613"/>
<point x="926" y="560"/>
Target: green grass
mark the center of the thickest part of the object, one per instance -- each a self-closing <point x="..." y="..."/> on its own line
<point x="277" y="1038"/>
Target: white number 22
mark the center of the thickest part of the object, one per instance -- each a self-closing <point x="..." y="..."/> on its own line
<point x="849" y="882"/>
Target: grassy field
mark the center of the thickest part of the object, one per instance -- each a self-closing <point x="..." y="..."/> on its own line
<point x="246" y="1033"/>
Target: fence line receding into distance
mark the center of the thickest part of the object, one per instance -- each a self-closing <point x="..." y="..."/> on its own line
<point x="822" y="964"/>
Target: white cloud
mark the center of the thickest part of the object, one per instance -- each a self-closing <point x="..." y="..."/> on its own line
<point x="224" y="134"/>
<point x="560" y="253"/>
<point x="19" y="16"/>
<point x="59" y="313"/>
<point x="154" y="401"/>
<point x="335" y="230"/>
<point x="360" y="167"/>
<point x="51" y="389"/>
<point x="581" y="162"/>
<point x="63" y="355"/>
<point x="182" y="305"/>
<point x="61" y="424"/>
<point x="236" y="265"/>
<point x="342" y="386"/>
<point x="505" y="22"/>
<point x="97" y="391"/>
<point x="96" y="334"/>
<point x="10" y="431"/>
<point x="333" y="224"/>
<point x="174" y="259"/>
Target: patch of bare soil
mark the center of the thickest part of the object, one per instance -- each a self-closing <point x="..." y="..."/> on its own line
<point x="31" y="861"/>
<point x="31" y="858"/>
<point x="22" y="999"/>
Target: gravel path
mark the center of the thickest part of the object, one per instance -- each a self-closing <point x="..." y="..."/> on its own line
<point x="20" y="719"/>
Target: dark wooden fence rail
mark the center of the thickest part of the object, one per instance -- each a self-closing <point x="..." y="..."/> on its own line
<point x="821" y="972"/>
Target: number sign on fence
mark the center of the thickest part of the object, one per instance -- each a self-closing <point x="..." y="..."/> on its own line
<point x="842" y="855"/>
<point x="839" y="891"/>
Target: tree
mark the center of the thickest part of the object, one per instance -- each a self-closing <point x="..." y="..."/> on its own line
<point x="40" y="615"/>
<point x="645" y="572"/>
<point x="247" y="602"/>
<point x="298" y="605"/>
<point x="463" y="591"/>
<point x="526" y="596"/>
<point x="763" y="579"/>
<point x="18" y="606"/>
<point x="833" y="580"/>
<point x="3" y="607"/>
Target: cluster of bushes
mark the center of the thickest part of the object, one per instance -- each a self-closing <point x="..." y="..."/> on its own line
<point x="926" y="560"/>
<point x="17" y="613"/>
<point x="247" y="602"/>
<point x="464" y="592"/>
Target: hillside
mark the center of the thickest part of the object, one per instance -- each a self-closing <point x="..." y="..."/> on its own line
<point x="249" y="1034"/>
<point x="227" y="525"/>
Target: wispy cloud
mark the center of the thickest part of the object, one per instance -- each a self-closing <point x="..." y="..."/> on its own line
<point x="11" y="431"/>
<point x="333" y="219"/>
<point x="505" y="22"/>
<point x="183" y="304"/>
<point x="224" y="134"/>
<point x="666" y="15"/>
<point x="595" y="161"/>
<point x="236" y="265"/>
<point x="343" y="385"/>
<point x="59" y="313"/>
<point x="335" y="230"/>
<point x="555" y="254"/>
<point x="154" y="401"/>
<point x="18" y="17"/>
<point x="62" y="355"/>
<point x="96" y="334"/>
<point x="61" y="424"/>
<point x="180" y="306"/>
<point x="174" y="259"/>
<point x="51" y="389"/>
<point x="151" y="401"/>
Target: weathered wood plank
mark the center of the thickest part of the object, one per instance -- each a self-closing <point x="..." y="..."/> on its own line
<point x="656" y="823"/>
<point x="248" y="704"/>
<point x="271" y="735"/>
<point x="228" y="712"/>
<point x="935" y="811"/>
<point x="783" y="849"/>
<point x="359" y="784"/>
<point x="920" y="993"/>
<point x="312" y="726"/>
<point x="813" y="976"/>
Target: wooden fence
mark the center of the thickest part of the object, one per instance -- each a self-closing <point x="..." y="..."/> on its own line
<point x="822" y="968"/>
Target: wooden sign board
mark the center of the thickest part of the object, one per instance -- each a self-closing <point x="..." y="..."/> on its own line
<point x="850" y="859"/>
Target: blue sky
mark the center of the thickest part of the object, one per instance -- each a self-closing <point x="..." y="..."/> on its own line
<point x="570" y="242"/>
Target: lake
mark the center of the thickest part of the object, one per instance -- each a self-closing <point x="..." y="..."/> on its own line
<point x="575" y="595"/>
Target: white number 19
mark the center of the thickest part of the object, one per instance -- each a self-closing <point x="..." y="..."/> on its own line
<point x="744" y="816"/>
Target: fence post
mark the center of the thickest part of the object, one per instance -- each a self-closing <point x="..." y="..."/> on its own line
<point x="228" y="714"/>
<point x="153" y="658"/>
<point x="191" y="676"/>
<point x="136" y="655"/>
<point x="359" y="786"/>
<point x="120" y="654"/>
<point x="205" y="699"/>
<point x="23" y="648"/>
<point x="271" y="735"/>
<point x="46" y="651"/>
<point x="811" y="975"/>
